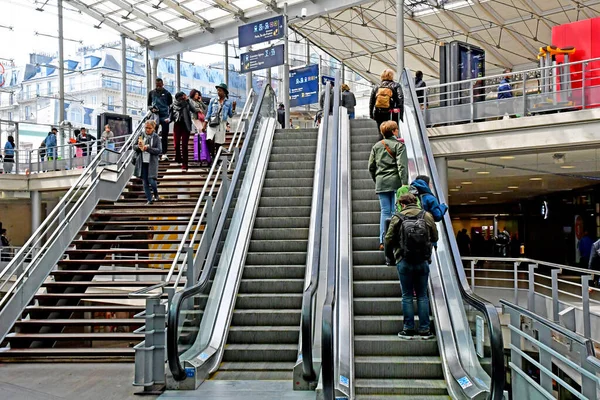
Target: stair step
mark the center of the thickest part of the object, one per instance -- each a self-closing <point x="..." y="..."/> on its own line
<point x="68" y="272"/>
<point x="115" y="336"/>
<point x="117" y="261"/>
<point x="274" y="271"/>
<point x="266" y="317"/>
<point x="113" y="284"/>
<point x="408" y="367"/>
<point x="411" y="388"/>
<point x="81" y="322"/>
<point x="260" y="352"/>
<point x="392" y="345"/>
<point x="102" y="308"/>
<point x="268" y="301"/>
<point x="91" y="353"/>
<point x="263" y="334"/>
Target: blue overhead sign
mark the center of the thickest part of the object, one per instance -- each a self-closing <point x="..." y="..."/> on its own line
<point x="304" y="86"/>
<point x="325" y="79"/>
<point x="261" y="59"/>
<point x="261" y="31"/>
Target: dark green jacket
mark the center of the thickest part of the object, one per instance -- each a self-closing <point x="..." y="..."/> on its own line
<point x="392" y="236"/>
<point x="388" y="173"/>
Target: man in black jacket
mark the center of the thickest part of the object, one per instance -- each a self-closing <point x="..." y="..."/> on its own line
<point x="387" y="101"/>
<point x="159" y="102"/>
<point x="595" y="261"/>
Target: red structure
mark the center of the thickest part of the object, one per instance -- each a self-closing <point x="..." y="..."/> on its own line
<point x="585" y="37"/>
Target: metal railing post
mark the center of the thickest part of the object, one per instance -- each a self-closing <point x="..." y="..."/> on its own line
<point x="516" y="282"/>
<point x="531" y="290"/>
<point x="555" y="310"/>
<point x="585" y="302"/>
<point x="545" y="336"/>
<point x="524" y="94"/>
<point x="583" y="87"/>
<point x="471" y="98"/>
<point x="473" y="274"/>
<point x="189" y="265"/>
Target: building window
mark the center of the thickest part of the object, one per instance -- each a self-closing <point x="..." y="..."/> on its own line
<point x="50" y="88"/>
<point x="10" y="116"/>
<point x="27" y="112"/>
<point x="94" y="100"/>
<point x="75" y="115"/>
<point x="129" y="66"/>
<point x="38" y="89"/>
<point x="111" y="100"/>
<point x="71" y="84"/>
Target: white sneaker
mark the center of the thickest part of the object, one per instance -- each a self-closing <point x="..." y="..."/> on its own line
<point x="164" y="158"/>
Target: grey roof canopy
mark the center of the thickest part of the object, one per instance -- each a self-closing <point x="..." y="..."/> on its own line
<point x="360" y="33"/>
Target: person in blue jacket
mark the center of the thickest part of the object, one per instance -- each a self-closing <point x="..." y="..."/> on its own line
<point x="504" y="89"/>
<point x="51" y="144"/>
<point x="420" y="188"/>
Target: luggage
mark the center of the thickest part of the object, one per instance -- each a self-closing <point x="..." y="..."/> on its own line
<point x="197" y="147"/>
<point x="204" y="152"/>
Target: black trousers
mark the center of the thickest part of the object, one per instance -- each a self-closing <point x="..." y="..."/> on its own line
<point x="381" y="117"/>
<point x="164" y="135"/>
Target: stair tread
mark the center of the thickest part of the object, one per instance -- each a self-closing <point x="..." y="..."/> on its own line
<point x="399" y="359"/>
<point x="247" y="328"/>
<point x="408" y="383"/>
<point x="68" y="350"/>
<point x="257" y="366"/>
<point x="77" y="336"/>
<point x="83" y="321"/>
<point x="261" y="346"/>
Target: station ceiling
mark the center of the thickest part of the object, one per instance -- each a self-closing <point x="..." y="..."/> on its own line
<point x="360" y="33"/>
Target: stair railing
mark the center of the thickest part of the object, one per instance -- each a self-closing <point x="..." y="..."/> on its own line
<point x="35" y="260"/>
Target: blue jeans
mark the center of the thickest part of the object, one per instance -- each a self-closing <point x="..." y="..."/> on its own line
<point x="414" y="277"/>
<point x="387" y="201"/>
<point x="148" y="182"/>
<point x="351" y="115"/>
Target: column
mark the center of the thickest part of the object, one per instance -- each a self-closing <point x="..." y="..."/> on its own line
<point x="124" y="74"/>
<point x="269" y="77"/>
<point x="248" y="76"/>
<point x="178" y="73"/>
<point x="285" y="83"/>
<point x="36" y="210"/>
<point x="154" y="71"/>
<point x="226" y="63"/>
<point x="441" y="163"/>
<point x="400" y="37"/>
<point x="307" y="64"/>
<point x="149" y="71"/>
<point x="61" y="75"/>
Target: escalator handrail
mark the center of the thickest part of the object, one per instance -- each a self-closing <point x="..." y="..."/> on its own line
<point x="313" y="262"/>
<point x="327" y="338"/>
<point x="202" y="285"/>
<point x="36" y="246"/>
<point x="486" y="308"/>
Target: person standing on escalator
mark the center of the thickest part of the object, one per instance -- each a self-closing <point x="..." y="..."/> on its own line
<point x="409" y="241"/>
<point x="387" y="100"/>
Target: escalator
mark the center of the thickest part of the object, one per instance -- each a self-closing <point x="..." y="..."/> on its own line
<point x="254" y="274"/>
<point x="383" y="363"/>
<point x="362" y="355"/>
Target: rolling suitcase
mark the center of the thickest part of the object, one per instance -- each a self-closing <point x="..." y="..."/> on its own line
<point x="197" y="147"/>
<point x="204" y="153"/>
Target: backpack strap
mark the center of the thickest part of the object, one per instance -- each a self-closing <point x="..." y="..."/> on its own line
<point x="387" y="148"/>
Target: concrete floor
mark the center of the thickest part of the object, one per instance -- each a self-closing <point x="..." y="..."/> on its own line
<point x="67" y="381"/>
<point x="247" y="390"/>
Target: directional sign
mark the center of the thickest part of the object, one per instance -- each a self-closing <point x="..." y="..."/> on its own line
<point x="261" y="59"/>
<point x="261" y="31"/>
<point x="325" y="79"/>
<point x="304" y="85"/>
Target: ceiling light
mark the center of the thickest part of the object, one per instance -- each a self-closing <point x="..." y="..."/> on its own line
<point x="507" y="158"/>
<point x="467" y="183"/>
<point x="535" y="179"/>
<point x="472" y="201"/>
<point x="474" y="218"/>
<point x="483" y="172"/>
<point x="497" y="193"/>
<point x="483" y="198"/>
<point x="463" y="204"/>
<point x="567" y="166"/>
<point x="513" y="187"/>
<point x="454" y="190"/>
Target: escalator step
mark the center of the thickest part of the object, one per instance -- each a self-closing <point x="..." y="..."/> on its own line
<point x="410" y="367"/>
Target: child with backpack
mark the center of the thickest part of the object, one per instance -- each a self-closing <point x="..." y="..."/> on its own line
<point x="420" y="188"/>
<point x="409" y="243"/>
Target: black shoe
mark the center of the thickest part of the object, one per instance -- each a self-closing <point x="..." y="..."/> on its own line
<point x="426" y="334"/>
<point x="407" y="334"/>
<point x="150" y="202"/>
<point x="156" y="198"/>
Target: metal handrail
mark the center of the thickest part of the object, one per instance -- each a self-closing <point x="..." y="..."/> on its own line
<point x="61" y="216"/>
<point x="313" y="259"/>
<point x="487" y="309"/>
<point x="328" y="328"/>
<point x="523" y="72"/>
<point x="211" y="181"/>
<point x="528" y="260"/>
<point x="209" y="264"/>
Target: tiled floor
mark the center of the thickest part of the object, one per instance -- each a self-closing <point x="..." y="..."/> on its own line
<point x="247" y="390"/>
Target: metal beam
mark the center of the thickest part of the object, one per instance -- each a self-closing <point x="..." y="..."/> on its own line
<point x="149" y="19"/>
<point x="104" y="19"/>
<point x="477" y="37"/>
<point x="229" y="31"/>
<point x="271" y="5"/>
<point x="188" y="14"/>
<point x="231" y="8"/>
<point x="515" y="35"/>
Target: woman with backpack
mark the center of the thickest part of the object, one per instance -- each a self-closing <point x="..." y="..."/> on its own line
<point x="387" y="100"/>
<point x="219" y="110"/>
<point x="388" y="165"/>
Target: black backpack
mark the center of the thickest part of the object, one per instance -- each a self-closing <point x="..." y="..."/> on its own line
<point x="415" y="243"/>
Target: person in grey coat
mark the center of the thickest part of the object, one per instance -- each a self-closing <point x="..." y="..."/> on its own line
<point x="348" y="100"/>
<point x="181" y="115"/>
<point x="146" y="164"/>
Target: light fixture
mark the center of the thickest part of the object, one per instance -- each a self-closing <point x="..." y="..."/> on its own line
<point x="467" y="183"/>
<point x="472" y="201"/>
<point x="567" y="166"/>
<point x="535" y="179"/>
<point x="483" y="172"/>
<point x="483" y="197"/>
<point x="454" y="190"/>
<point x="507" y="158"/>
<point x="513" y="187"/>
<point x="497" y="193"/>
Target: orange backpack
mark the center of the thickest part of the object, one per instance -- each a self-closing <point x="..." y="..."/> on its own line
<point x="383" y="98"/>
